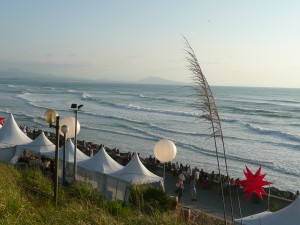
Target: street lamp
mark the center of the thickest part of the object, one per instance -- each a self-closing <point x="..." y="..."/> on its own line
<point x="51" y="116"/>
<point x="75" y="108"/>
<point x="65" y="130"/>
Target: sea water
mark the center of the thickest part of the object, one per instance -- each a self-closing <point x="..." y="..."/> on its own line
<point x="260" y="125"/>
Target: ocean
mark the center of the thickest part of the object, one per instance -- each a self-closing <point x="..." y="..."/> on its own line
<point x="260" y="125"/>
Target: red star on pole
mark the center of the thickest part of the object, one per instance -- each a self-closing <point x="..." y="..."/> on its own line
<point x="1" y="121"/>
<point x="254" y="183"/>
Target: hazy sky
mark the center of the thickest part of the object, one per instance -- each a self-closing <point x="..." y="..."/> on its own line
<point x="246" y="43"/>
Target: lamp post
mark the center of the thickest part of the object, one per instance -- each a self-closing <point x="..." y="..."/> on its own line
<point x="65" y="130"/>
<point x="165" y="151"/>
<point x="51" y="116"/>
<point x="75" y="108"/>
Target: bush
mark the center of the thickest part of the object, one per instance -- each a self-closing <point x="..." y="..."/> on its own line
<point x="117" y="208"/>
<point x="83" y="192"/>
<point x="149" y="198"/>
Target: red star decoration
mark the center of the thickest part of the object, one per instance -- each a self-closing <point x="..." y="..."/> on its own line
<point x="254" y="183"/>
<point x="1" y="121"/>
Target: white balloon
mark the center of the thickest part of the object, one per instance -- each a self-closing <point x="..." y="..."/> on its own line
<point x="165" y="150"/>
<point x="70" y="122"/>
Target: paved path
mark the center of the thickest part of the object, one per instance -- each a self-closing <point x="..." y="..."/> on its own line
<point x="210" y="201"/>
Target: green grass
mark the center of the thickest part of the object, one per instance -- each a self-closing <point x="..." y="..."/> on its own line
<point x="79" y="204"/>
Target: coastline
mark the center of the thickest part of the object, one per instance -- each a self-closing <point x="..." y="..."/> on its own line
<point x="208" y="199"/>
<point x="119" y="115"/>
<point x="122" y="158"/>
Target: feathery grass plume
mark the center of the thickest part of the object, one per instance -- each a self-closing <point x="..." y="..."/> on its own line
<point x="209" y="113"/>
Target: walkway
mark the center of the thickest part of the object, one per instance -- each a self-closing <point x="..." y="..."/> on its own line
<point x="210" y="201"/>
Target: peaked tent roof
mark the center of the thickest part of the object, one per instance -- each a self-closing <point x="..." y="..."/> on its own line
<point x="101" y="162"/>
<point x="288" y="216"/>
<point x="11" y="134"/>
<point x="136" y="172"/>
<point x="253" y="219"/>
<point x="39" y="145"/>
<point x="69" y="153"/>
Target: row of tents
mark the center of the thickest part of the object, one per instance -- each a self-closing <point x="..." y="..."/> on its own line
<point x="100" y="171"/>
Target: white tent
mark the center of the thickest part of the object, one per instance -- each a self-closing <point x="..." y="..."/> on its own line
<point x="133" y="173"/>
<point x="289" y="215"/>
<point x="10" y="136"/>
<point x="69" y="159"/>
<point x="253" y="219"/>
<point x="39" y="146"/>
<point x="69" y="153"/>
<point x="93" y="170"/>
<point x="101" y="163"/>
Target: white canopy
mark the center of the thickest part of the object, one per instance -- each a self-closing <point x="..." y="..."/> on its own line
<point x="69" y="153"/>
<point x="100" y="162"/>
<point x="253" y="219"/>
<point x="289" y="215"/>
<point x="11" y="134"/>
<point x="136" y="172"/>
<point x="39" y="145"/>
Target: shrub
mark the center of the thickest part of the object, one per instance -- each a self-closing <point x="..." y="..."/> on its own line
<point x="149" y="198"/>
<point x="84" y="192"/>
<point x="117" y="208"/>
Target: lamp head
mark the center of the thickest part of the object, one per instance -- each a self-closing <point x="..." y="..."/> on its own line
<point x="64" y="129"/>
<point x="50" y="116"/>
<point x="74" y="106"/>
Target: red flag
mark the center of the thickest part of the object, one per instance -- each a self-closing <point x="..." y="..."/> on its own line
<point x="1" y="121"/>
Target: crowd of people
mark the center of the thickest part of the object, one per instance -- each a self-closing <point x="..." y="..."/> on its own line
<point x="193" y="179"/>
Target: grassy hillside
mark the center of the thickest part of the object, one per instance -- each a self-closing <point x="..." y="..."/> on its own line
<point x="78" y="204"/>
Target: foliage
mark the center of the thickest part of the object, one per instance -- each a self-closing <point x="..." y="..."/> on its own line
<point x="149" y="198"/>
<point x="85" y="193"/>
<point x="207" y="105"/>
<point x="275" y="207"/>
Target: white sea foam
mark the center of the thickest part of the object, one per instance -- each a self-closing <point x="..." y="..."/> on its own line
<point x="257" y="131"/>
<point x="281" y="134"/>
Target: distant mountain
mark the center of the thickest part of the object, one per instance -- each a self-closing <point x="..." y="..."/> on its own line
<point x="20" y="74"/>
<point x="16" y="74"/>
<point x="158" y="80"/>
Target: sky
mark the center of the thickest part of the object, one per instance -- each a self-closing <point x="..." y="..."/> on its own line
<point x="237" y="43"/>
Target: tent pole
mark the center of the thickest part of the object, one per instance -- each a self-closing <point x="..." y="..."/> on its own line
<point x="116" y="190"/>
<point x="238" y="196"/>
<point x="269" y="197"/>
<point x="164" y="173"/>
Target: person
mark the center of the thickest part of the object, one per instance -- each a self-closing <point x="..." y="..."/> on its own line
<point x="196" y="174"/>
<point x="189" y="171"/>
<point x="176" y="166"/>
<point x="46" y="165"/>
<point x="180" y="187"/>
<point x="118" y="152"/>
<point x="296" y="194"/>
<point x="193" y="188"/>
